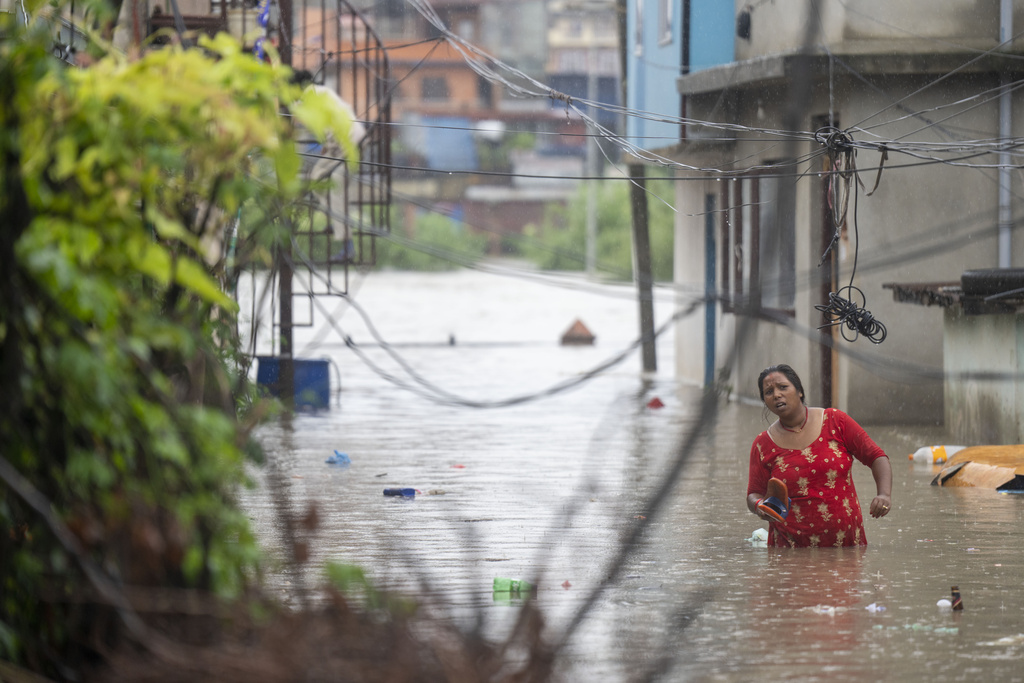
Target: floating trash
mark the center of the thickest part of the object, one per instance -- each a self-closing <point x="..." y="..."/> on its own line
<point x="759" y="537"/>
<point x="511" y="591"/>
<point x="503" y="585"/>
<point x="944" y="604"/>
<point x="875" y="607"/>
<point x="404" y="493"/>
<point x="655" y="403"/>
<point x="339" y="458"/>
<point x="934" y="455"/>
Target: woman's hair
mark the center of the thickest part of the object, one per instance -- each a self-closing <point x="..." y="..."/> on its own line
<point x="789" y="373"/>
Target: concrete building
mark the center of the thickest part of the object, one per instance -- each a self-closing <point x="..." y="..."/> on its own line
<point x="783" y="103"/>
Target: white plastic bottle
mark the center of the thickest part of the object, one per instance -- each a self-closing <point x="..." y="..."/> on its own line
<point x="934" y="455"/>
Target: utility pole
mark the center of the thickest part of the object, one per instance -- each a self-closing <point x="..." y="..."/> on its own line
<point x="641" y="234"/>
<point x="591" y="253"/>
<point x="286" y="365"/>
<point x="642" y="265"/>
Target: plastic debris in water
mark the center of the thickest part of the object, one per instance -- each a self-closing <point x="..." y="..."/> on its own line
<point x="875" y="607"/>
<point x="759" y="536"/>
<point x="404" y="493"/>
<point x="934" y="455"/>
<point x="503" y="585"/>
<point x="655" y="403"/>
<point x="943" y="604"/>
<point x="339" y="458"/>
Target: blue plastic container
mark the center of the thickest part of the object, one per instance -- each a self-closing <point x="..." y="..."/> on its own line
<point x="312" y="380"/>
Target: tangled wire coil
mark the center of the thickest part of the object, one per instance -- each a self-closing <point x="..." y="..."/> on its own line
<point x="841" y="311"/>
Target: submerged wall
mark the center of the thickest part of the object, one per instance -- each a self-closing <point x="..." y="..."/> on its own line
<point x="984" y="411"/>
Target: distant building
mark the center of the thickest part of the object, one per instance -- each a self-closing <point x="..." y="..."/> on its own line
<point x="450" y="118"/>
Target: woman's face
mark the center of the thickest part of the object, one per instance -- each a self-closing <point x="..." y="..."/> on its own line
<point x="779" y="394"/>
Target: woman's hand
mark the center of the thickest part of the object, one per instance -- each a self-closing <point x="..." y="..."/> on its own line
<point x="882" y="472"/>
<point x="752" y="500"/>
<point x="880" y="505"/>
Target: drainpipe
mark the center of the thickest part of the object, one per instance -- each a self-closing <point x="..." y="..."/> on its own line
<point x="1005" y="130"/>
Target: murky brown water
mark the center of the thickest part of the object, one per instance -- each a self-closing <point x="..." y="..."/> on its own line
<point x="545" y="490"/>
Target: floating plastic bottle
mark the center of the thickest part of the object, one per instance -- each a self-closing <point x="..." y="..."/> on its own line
<point x="957" y="602"/>
<point x="404" y="493"/>
<point x="935" y="455"/>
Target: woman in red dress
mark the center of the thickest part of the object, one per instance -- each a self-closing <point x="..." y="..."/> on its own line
<point x="811" y="451"/>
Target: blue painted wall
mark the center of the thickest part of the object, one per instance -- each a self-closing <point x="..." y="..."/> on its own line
<point x="652" y="77"/>
<point x="652" y="74"/>
<point x="712" y="33"/>
<point x="450" y="145"/>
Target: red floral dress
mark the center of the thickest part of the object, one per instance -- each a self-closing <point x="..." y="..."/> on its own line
<point x="825" y="510"/>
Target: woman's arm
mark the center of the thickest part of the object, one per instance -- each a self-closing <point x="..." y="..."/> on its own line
<point x="752" y="501"/>
<point x="881" y="470"/>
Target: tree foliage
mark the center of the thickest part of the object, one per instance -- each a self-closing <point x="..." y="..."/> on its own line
<point x="434" y="243"/>
<point x="560" y="242"/>
<point x="118" y="355"/>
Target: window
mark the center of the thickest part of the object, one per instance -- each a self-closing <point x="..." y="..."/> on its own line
<point x="434" y="88"/>
<point x="638" y="29"/>
<point x="757" y="237"/>
<point x="664" y="22"/>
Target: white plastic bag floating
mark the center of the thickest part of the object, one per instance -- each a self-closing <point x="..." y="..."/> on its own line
<point x="759" y="538"/>
<point x="934" y="455"/>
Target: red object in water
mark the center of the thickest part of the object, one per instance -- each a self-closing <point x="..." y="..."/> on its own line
<point x="655" y="403"/>
<point x="566" y="585"/>
<point x="578" y="335"/>
<point x="458" y="467"/>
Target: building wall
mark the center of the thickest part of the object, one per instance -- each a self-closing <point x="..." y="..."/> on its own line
<point x="926" y="222"/>
<point x="980" y="411"/>
<point x="652" y="64"/>
<point x="688" y="264"/>
<point x="509" y="29"/>
<point x="874" y="25"/>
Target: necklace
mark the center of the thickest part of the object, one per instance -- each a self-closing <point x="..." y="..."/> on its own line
<point x="807" y="412"/>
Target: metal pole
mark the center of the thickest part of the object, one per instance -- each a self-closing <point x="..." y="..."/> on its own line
<point x="1005" y="130"/>
<point x="591" y="254"/>
<point x="286" y="366"/>
<point x="642" y="265"/>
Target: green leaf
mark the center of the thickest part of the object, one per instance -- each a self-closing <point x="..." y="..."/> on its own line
<point x="194" y="277"/>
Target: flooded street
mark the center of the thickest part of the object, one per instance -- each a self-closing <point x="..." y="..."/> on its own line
<point x="546" y="488"/>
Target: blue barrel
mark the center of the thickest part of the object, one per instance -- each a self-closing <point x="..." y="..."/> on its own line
<point x="312" y="380"/>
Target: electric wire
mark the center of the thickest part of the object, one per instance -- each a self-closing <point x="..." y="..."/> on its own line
<point x="431" y="391"/>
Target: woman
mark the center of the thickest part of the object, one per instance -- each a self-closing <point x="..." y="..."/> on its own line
<point x="811" y="452"/>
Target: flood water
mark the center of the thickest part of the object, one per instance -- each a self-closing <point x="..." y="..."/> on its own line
<point x="545" y="490"/>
